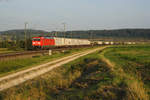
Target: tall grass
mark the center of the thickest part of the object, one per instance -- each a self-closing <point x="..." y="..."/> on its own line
<point x="13" y="65"/>
<point x="8" y="50"/>
<point x="97" y="76"/>
<point x="130" y="65"/>
<point x="87" y="78"/>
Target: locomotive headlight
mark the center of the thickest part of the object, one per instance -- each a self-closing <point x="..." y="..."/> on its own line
<point x="33" y="42"/>
<point x="39" y="43"/>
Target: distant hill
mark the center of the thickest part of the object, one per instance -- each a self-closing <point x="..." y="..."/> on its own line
<point x="116" y="35"/>
<point x="120" y="34"/>
<point x="19" y="34"/>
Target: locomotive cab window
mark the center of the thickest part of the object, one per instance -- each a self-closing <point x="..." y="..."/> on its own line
<point x="36" y="39"/>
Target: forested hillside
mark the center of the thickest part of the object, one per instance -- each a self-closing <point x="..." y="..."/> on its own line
<point x="122" y="34"/>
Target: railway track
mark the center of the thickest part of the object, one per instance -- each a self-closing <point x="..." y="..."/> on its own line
<point x="22" y="76"/>
<point x="10" y="55"/>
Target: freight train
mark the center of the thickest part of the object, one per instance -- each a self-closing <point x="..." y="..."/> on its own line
<point x="47" y="42"/>
<point x="50" y="42"/>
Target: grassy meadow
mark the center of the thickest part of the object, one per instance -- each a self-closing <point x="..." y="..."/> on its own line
<point x="6" y="50"/>
<point x="116" y="73"/>
<point x="13" y="65"/>
<point x="132" y="63"/>
<point x="87" y="78"/>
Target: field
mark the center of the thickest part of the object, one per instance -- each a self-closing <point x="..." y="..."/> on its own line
<point x="6" y="50"/>
<point x="116" y="73"/>
<point x="81" y="79"/>
<point x="13" y="65"/>
<point x="134" y="63"/>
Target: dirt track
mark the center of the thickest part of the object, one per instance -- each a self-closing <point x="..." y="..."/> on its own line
<point x="22" y="76"/>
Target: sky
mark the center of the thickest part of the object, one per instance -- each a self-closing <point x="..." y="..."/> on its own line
<point x="77" y="14"/>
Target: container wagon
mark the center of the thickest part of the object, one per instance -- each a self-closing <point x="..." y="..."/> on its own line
<point x="100" y="42"/>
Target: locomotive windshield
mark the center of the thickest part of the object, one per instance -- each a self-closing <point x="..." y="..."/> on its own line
<point x="36" y="39"/>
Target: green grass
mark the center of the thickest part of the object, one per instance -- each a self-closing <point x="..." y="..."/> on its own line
<point x="134" y="61"/>
<point x="10" y="50"/>
<point x="116" y="73"/>
<point x="13" y="65"/>
<point x="87" y="78"/>
<point x="6" y="50"/>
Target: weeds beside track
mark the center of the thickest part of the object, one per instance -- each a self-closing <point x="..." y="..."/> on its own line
<point x="131" y="66"/>
<point x="98" y="76"/>
<point x="22" y="76"/>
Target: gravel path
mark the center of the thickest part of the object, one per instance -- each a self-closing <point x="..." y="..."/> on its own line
<point x="22" y="76"/>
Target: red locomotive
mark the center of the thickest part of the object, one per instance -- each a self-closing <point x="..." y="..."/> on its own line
<point x="42" y="42"/>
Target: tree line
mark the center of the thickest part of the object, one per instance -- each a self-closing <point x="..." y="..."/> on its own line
<point x="16" y="38"/>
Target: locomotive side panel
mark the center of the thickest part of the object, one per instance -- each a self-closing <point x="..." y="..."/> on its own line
<point x="48" y="42"/>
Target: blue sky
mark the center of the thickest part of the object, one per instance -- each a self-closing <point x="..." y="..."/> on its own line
<point x="77" y="14"/>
